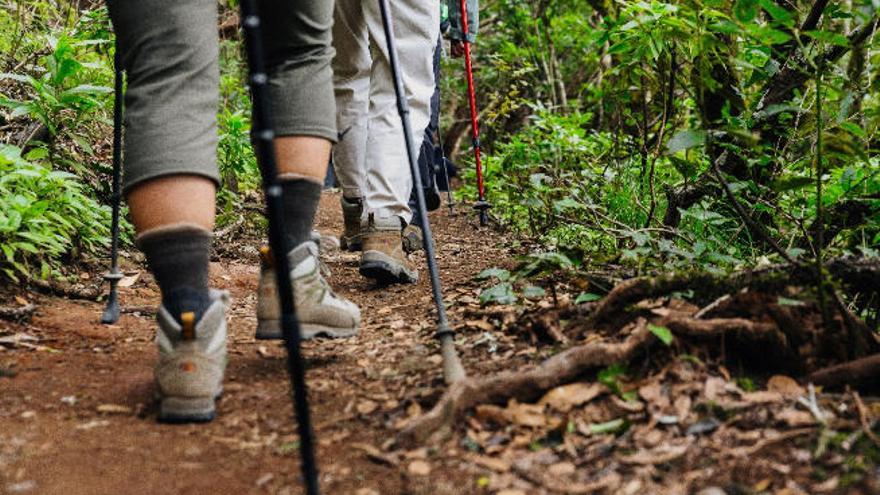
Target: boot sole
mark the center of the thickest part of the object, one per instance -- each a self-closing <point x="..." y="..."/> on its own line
<point x="271" y="330"/>
<point x="178" y="410"/>
<point x="385" y="269"/>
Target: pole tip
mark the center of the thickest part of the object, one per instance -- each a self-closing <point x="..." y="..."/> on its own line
<point x="453" y="371"/>
<point x="111" y="312"/>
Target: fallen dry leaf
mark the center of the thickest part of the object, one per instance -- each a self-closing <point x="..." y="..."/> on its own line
<point x="795" y="418"/>
<point x="660" y="455"/>
<point x="714" y="387"/>
<point x="561" y="469"/>
<point x="366" y="406"/>
<point x="481" y="325"/>
<point x="113" y="409"/>
<point x="785" y="386"/>
<point x="525" y="414"/>
<point x="129" y="280"/>
<point x="419" y="468"/>
<point x="567" y="397"/>
<point x="491" y="463"/>
<point x="762" y="397"/>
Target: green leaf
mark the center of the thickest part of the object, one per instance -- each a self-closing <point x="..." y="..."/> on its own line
<point x="829" y="37"/>
<point x="499" y="294"/>
<point x="585" y="297"/>
<point x="499" y="273"/>
<point x="533" y="292"/>
<point x="778" y="13"/>
<point x="612" y="426"/>
<point x="685" y="139"/>
<point x="784" y="301"/>
<point x="662" y="333"/>
<point x="746" y="10"/>
<point x="790" y="183"/>
<point x="37" y="154"/>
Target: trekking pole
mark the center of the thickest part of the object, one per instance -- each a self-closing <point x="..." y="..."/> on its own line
<point x="481" y="205"/>
<point x="265" y="153"/>
<point x="450" y="199"/>
<point x="111" y="312"/>
<point x="452" y="368"/>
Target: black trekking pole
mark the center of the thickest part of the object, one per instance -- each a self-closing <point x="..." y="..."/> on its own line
<point x="265" y="153"/>
<point x="450" y="199"/>
<point x="111" y="312"/>
<point x="452" y="368"/>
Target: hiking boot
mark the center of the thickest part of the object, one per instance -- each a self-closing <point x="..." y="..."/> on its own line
<point x="319" y="310"/>
<point x="412" y="239"/>
<point x="384" y="259"/>
<point x="192" y="358"/>
<point x="352" y="210"/>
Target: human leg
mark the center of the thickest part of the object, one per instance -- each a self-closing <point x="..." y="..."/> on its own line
<point x="169" y="50"/>
<point x="389" y="180"/>
<point x="351" y="82"/>
<point x="416" y="26"/>
<point x="297" y="41"/>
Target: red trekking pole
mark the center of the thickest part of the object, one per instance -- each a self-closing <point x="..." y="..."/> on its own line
<point x="481" y="205"/>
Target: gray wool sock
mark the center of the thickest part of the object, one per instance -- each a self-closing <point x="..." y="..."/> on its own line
<point x="178" y="257"/>
<point x="300" y="198"/>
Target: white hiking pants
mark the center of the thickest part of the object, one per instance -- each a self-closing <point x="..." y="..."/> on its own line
<point x="370" y="158"/>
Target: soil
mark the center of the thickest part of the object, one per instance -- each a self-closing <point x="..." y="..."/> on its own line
<point x="77" y="413"/>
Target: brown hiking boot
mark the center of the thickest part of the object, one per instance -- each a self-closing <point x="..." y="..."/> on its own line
<point x="384" y="259"/>
<point x="352" y="237"/>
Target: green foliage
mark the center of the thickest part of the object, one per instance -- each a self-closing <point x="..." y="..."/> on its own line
<point x="64" y="97"/>
<point x="46" y="218"/>
<point x="612" y="377"/>
<point x="603" y="123"/>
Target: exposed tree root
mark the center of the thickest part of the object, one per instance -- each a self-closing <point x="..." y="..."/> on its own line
<point x="568" y="365"/>
<point x="21" y="313"/>
<point x="524" y="385"/>
<point x="745" y="310"/>
<point x="746" y="329"/>
<point x="76" y="291"/>
<point x="850" y="372"/>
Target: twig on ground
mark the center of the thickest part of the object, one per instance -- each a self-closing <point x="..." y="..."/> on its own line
<point x="812" y="405"/>
<point x="867" y="424"/>
<point x="714" y="304"/>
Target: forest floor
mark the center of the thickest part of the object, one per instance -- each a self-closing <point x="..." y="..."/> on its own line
<point x="77" y="413"/>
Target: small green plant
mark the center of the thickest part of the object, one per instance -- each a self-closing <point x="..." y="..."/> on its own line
<point x="612" y="377"/>
<point x="60" y="98"/>
<point x="46" y="219"/>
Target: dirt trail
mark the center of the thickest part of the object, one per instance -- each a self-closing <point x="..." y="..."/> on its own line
<point x="80" y="418"/>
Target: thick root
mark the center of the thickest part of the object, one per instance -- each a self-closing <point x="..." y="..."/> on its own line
<point x="525" y="385"/>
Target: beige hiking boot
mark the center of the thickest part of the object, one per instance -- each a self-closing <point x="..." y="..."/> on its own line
<point x="384" y="259"/>
<point x="192" y="359"/>
<point x="319" y="310"/>
<point x="352" y="209"/>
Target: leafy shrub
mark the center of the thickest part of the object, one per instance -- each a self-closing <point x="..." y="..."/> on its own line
<point x="46" y="219"/>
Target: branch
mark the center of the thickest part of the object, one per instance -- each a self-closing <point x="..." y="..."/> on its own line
<point x="524" y="386"/>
